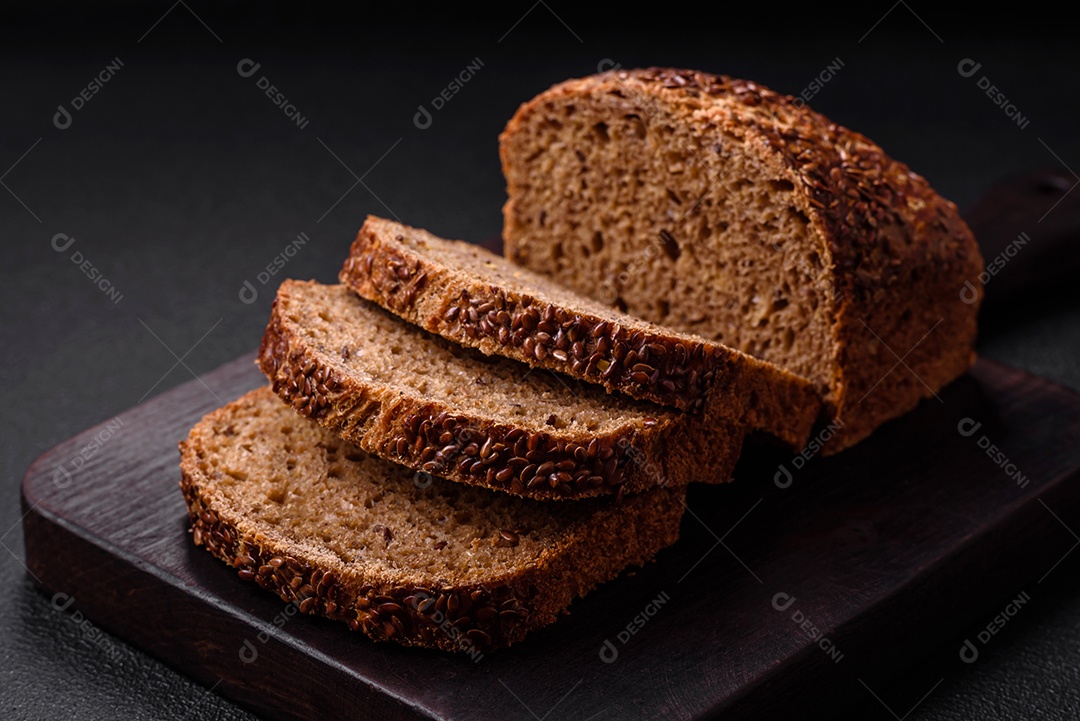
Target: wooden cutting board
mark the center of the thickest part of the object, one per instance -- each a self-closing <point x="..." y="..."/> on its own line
<point x="792" y="585"/>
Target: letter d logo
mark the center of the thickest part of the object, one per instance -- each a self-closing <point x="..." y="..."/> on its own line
<point x="61" y="242"/>
<point x="782" y="601"/>
<point x="248" y="652"/>
<point x="967" y="427"/>
<point x="422" y="119"/>
<point x="62" y="477"/>
<point x="608" y="652"/>
<point x="968" y="652"/>
<point x="783" y="477"/>
<point x="248" y="294"/>
<point x="607" y="293"/>
<point x="968" y="67"/>
<point x="969" y="293"/>
<point x="62" y="118"/>
<point x="62" y="601"/>
<point x="247" y="67"/>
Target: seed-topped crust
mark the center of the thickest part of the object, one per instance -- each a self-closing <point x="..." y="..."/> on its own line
<point x="892" y="254"/>
<point x="473" y="297"/>
<point x="453" y="439"/>
<point x="475" y="614"/>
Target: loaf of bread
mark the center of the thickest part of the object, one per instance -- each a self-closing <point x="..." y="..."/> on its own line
<point x="410" y="397"/>
<point x="690" y="258"/>
<point x="475" y="298"/>
<point x="418" y="561"/>
<point x="718" y="207"/>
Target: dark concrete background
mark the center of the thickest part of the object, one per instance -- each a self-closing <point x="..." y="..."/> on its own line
<point x="180" y="180"/>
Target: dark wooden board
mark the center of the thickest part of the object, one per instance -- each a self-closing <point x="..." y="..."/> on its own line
<point x="886" y="548"/>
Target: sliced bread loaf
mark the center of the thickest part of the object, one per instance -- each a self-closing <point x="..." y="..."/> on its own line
<point x="403" y="394"/>
<point x="422" y="562"/>
<point x="476" y="298"/>
<point x="718" y="207"/>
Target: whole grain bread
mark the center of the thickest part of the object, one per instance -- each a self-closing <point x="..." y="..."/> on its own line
<point x="719" y="207"/>
<point x="473" y="297"/>
<point x="348" y="536"/>
<point x="405" y="395"/>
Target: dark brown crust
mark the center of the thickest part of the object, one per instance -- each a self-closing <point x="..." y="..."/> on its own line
<point x="471" y="618"/>
<point x="676" y="371"/>
<point x="461" y="446"/>
<point x="665" y="367"/>
<point x="900" y="252"/>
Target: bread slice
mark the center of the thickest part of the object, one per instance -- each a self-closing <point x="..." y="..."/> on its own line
<point x="476" y="298"/>
<point x="413" y="398"/>
<point x="719" y="207"/>
<point x="351" y="537"/>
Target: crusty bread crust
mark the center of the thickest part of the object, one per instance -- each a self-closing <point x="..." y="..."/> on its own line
<point x="512" y="312"/>
<point x="463" y="444"/>
<point x="897" y="253"/>
<point x="437" y="612"/>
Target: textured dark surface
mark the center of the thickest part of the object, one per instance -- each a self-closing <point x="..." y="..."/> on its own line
<point x="180" y="181"/>
<point x="864" y="550"/>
